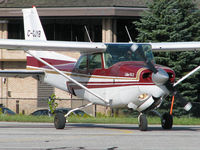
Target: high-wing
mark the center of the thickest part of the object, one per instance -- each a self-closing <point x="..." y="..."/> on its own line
<point x="175" y="46"/>
<point x="88" y="47"/>
<point x="83" y="47"/>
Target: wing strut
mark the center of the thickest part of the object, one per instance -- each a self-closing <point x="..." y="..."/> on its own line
<point x="69" y="78"/>
<point x="186" y="76"/>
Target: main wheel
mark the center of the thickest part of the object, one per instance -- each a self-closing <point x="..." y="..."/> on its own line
<point x="167" y="121"/>
<point x="59" y="121"/>
<point x="143" y="123"/>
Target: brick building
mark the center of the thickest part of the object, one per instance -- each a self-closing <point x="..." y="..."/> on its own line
<point x="62" y="20"/>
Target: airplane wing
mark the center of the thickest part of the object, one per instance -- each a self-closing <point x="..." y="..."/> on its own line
<point x="88" y="47"/>
<point x="175" y="46"/>
<point x="82" y="47"/>
<point x="21" y="73"/>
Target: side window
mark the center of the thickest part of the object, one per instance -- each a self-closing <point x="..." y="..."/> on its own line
<point x="108" y="60"/>
<point x="95" y="61"/>
<point x="82" y="63"/>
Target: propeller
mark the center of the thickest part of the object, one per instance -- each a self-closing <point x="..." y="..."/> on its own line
<point x="160" y="76"/>
<point x="187" y="105"/>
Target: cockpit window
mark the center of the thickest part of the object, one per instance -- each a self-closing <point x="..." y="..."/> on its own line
<point x="122" y="52"/>
<point x="90" y="61"/>
<point x="94" y="61"/>
<point x="82" y="63"/>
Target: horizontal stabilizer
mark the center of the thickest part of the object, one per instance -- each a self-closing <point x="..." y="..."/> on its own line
<point x="21" y="73"/>
<point x="82" y="47"/>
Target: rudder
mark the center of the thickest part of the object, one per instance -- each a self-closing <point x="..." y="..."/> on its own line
<point x="32" y="25"/>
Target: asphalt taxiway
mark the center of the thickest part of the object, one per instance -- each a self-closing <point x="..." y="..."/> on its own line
<point x="97" y="137"/>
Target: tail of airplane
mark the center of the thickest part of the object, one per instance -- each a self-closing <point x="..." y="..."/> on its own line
<point x="32" y="26"/>
<point x="34" y="31"/>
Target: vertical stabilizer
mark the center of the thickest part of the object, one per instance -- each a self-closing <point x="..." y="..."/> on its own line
<point x="32" y="26"/>
<point x="34" y="31"/>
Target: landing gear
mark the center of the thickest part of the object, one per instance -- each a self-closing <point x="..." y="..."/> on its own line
<point x="59" y="121"/>
<point x="167" y="121"/>
<point x="143" y="123"/>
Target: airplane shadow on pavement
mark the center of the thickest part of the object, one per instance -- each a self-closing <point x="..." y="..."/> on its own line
<point x="134" y="127"/>
<point x="105" y="126"/>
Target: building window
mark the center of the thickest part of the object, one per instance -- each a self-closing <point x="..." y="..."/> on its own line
<point x="72" y="29"/>
<point x="61" y="29"/>
<point x="122" y="35"/>
<point x="15" y="29"/>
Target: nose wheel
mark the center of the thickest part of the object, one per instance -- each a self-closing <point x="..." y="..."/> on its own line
<point x="167" y="121"/>
<point x="143" y="123"/>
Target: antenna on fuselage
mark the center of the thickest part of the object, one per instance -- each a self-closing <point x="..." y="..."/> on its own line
<point x="87" y="33"/>
<point x="131" y="41"/>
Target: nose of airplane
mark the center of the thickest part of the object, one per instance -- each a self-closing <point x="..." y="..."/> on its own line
<point x="160" y="77"/>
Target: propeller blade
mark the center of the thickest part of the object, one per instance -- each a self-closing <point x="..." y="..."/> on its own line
<point x="187" y="105"/>
<point x="139" y="50"/>
<point x="151" y="66"/>
<point x="170" y="87"/>
<point x="159" y="76"/>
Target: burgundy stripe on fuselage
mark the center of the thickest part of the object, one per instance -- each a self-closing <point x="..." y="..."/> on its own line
<point x="35" y="63"/>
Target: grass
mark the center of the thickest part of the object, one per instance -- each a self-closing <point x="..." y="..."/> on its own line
<point x="25" y="118"/>
<point x="99" y="120"/>
<point x="186" y="121"/>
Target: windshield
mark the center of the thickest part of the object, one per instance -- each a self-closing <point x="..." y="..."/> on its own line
<point x="122" y="52"/>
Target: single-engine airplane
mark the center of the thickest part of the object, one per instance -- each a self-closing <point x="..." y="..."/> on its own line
<point x="110" y="74"/>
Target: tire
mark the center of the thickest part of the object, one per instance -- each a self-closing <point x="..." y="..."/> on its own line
<point x="59" y="121"/>
<point x="143" y="123"/>
<point x="167" y="121"/>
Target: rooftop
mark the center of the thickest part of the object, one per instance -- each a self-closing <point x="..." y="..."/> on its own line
<point x="74" y="8"/>
<point x="72" y="3"/>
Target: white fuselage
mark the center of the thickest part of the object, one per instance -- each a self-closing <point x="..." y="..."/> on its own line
<point x="121" y="91"/>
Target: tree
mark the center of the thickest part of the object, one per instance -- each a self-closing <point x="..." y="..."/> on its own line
<point x="171" y="21"/>
<point x="52" y="103"/>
